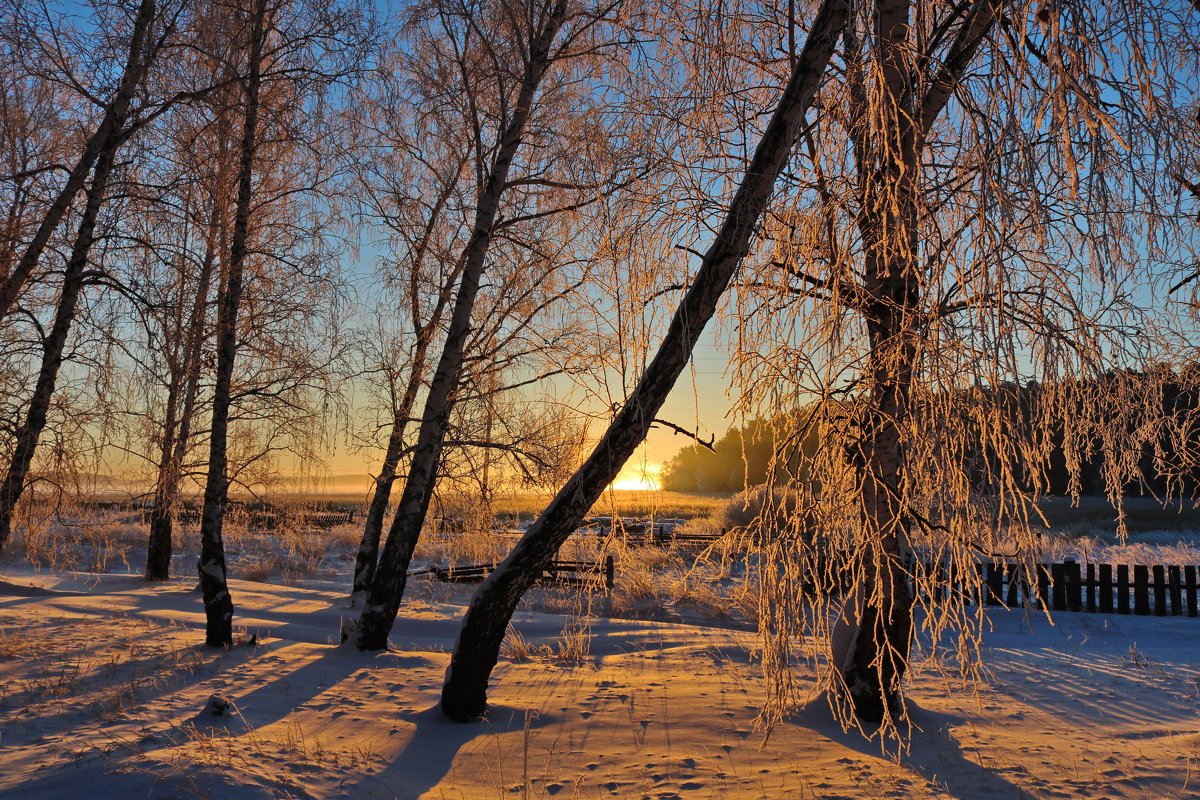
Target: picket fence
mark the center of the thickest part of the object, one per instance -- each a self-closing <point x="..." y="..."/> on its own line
<point x="1148" y="590"/>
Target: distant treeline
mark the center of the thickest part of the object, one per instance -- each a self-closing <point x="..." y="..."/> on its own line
<point x="740" y="459"/>
<point x="1169" y="458"/>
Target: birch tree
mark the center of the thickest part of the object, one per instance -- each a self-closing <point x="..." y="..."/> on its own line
<point x="218" y="604"/>
<point x="94" y="169"/>
<point x="464" y="696"/>
<point x="177" y="238"/>
<point x="513" y="65"/>
<point x="412" y="189"/>
<point x="983" y="205"/>
<point x="292" y="54"/>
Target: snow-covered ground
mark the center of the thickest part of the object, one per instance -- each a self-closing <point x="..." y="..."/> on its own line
<point x="104" y="681"/>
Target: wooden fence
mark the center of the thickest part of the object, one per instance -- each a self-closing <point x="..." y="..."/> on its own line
<point x="1158" y="590"/>
<point x="657" y="534"/>
<point x="570" y="572"/>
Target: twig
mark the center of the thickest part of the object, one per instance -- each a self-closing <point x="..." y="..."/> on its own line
<point x="710" y="444"/>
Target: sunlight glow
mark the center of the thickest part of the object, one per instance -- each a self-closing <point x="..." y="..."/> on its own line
<point x="637" y="477"/>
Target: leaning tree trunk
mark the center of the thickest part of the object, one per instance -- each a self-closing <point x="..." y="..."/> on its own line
<point x="218" y="605"/>
<point x="52" y="348"/>
<point x="464" y="696"/>
<point x="387" y="589"/>
<point x="107" y="133"/>
<point x="368" y="546"/>
<point x="177" y="427"/>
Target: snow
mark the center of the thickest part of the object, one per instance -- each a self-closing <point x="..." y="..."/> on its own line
<point x="104" y="681"/>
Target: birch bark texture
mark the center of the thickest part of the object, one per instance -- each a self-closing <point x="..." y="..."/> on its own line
<point x="218" y="603"/>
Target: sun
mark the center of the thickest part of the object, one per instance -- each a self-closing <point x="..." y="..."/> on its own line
<point x="637" y="477"/>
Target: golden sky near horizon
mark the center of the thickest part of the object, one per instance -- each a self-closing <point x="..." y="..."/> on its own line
<point x="700" y="401"/>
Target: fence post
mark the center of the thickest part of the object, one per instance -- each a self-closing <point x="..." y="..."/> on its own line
<point x="1160" y="590"/>
<point x="995" y="583"/>
<point x="1043" y="586"/>
<point x="1106" y="588"/>
<point x="1122" y="588"/>
<point x="1189" y="580"/>
<point x="1072" y="580"/>
<point x="1141" y="589"/>
<point x="1175" y="587"/>
<point x="610" y="571"/>
<point x="1090" y="587"/>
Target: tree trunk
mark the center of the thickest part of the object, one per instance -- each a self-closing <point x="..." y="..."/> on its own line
<point x="105" y="136"/>
<point x="52" y="348"/>
<point x="877" y="622"/>
<point x="879" y="617"/>
<point x="158" y="545"/>
<point x="464" y="696"/>
<point x="387" y="590"/>
<point x="177" y="426"/>
<point x="218" y="605"/>
<point x="368" y="546"/>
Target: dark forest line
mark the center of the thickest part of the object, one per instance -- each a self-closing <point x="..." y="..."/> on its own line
<point x="745" y="456"/>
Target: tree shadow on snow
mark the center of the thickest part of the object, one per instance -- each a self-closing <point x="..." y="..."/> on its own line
<point x="276" y="699"/>
<point x="435" y="742"/>
<point x="932" y="753"/>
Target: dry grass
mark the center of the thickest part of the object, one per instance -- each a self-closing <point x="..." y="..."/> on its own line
<point x="516" y="647"/>
<point x="304" y="551"/>
<point x="466" y="547"/>
<point x="303" y="750"/>
<point x="91" y="542"/>
<point x="575" y="645"/>
<point x="624" y="503"/>
<point x="346" y="536"/>
<point x="572" y="647"/>
<point x="17" y="644"/>
<point x="702" y="597"/>
<point x="258" y="567"/>
<point x="105" y="668"/>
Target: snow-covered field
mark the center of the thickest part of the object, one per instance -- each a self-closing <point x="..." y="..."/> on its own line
<point x="104" y="681"/>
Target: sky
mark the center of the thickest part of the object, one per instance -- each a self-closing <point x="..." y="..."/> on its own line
<point x="701" y="405"/>
<point x="700" y="401"/>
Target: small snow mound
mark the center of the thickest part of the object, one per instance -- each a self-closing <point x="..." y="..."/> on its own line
<point x="219" y="705"/>
<point x="348" y="633"/>
<point x="220" y="714"/>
